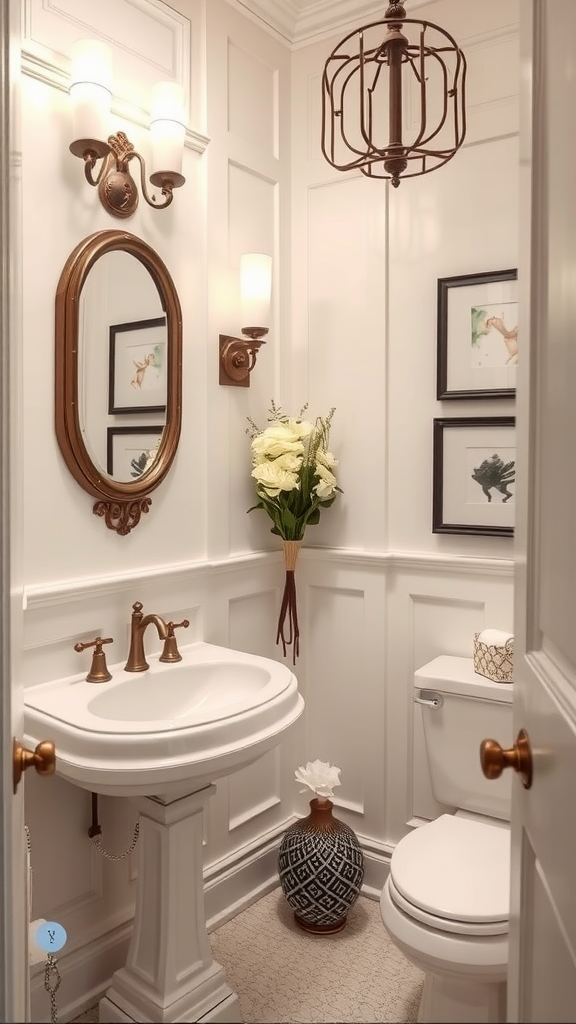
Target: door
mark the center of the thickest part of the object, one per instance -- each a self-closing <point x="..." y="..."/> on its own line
<point x="542" y="971"/>
<point x="13" y="932"/>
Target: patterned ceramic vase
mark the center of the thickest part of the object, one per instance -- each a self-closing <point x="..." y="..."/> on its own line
<point x="321" y="869"/>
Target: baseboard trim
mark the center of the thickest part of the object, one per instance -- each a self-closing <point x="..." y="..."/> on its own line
<point x="86" y="973"/>
<point x="376" y="866"/>
<point x="239" y="880"/>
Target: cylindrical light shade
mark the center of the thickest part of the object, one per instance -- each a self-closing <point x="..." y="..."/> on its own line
<point x="91" y="89"/>
<point x="167" y="127"/>
<point x="255" y="289"/>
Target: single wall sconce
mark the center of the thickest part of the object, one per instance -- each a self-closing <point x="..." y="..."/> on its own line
<point x="91" y="95"/>
<point x="393" y="98"/>
<point x="238" y="355"/>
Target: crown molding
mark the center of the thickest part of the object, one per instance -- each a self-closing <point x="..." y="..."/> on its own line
<point x="304" y="21"/>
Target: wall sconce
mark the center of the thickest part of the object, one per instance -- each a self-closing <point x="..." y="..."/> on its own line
<point x="238" y="355"/>
<point x="91" y="95"/>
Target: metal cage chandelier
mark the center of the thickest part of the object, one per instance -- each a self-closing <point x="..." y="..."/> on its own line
<point x="420" y="100"/>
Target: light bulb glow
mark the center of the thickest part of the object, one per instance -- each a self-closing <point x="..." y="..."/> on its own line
<point x="91" y="89"/>
<point x="255" y="289"/>
<point x="167" y="127"/>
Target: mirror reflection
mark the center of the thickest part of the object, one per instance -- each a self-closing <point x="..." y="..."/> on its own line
<point x="118" y="373"/>
<point x="123" y="366"/>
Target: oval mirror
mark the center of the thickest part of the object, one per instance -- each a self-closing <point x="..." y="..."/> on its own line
<point x="118" y="373"/>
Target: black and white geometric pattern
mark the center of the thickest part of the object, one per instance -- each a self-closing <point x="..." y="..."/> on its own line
<point x="321" y="871"/>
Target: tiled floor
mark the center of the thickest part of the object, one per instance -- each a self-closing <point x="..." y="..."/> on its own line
<point x="283" y="975"/>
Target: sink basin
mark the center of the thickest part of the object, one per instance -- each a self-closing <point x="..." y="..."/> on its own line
<point x="169" y="730"/>
<point x="201" y="693"/>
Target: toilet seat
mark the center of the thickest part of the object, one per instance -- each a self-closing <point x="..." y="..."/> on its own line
<point x="453" y="875"/>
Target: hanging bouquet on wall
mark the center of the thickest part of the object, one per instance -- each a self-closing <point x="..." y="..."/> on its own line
<point x="293" y="471"/>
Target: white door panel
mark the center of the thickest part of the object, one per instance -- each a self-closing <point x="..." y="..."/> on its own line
<point x="542" y="971"/>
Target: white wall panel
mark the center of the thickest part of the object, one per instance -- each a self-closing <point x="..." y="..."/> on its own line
<point x="252" y="621"/>
<point x="254" y="790"/>
<point x="149" y="40"/>
<point x="253" y="99"/>
<point x="346" y="322"/>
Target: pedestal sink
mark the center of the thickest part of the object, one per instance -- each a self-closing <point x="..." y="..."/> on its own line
<point x="162" y="737"/>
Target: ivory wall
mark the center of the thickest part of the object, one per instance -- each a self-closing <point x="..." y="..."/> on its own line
<point x="355" y="272"/>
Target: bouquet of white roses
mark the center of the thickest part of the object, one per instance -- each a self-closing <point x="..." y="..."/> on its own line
<point x="293" y="470"/>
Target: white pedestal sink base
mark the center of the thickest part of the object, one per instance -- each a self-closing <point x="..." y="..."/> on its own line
<point x="170" y="975"/>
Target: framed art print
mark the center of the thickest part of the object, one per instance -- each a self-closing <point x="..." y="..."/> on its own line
<point x="474" y="476"/>
<point x="130" y="451"/>
<point x="477" y="335"/>
<point x="137" y="366"/>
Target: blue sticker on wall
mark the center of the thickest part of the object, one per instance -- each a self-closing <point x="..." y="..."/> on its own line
<point x="51" y="936"/>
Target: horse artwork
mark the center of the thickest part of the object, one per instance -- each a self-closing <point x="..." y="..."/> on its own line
<point x="495" y="474"/>
<point x="483" y="322"/>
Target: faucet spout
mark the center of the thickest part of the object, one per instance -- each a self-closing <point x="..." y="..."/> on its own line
<point x="138" y="626"/>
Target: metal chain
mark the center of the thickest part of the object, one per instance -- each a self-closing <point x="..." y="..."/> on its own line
<point x="97" y="842"/>
<point x="51" y="969"/>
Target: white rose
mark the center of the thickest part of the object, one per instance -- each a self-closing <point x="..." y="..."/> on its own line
<point x="326" y="459"/>
<point x="290" y="462"/>
<point x="273" y="479"/>
<point x="326" y="484"/>
<point x="277" y="440"/>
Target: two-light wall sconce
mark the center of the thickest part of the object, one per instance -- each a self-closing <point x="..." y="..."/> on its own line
<point x="91" y="96"/>
<point x="238" y="355"/>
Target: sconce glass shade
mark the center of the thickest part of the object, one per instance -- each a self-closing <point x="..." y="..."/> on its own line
<point x="167" y="132"/>
<point x="91" y="95"/>
<point x="255" y="289"/>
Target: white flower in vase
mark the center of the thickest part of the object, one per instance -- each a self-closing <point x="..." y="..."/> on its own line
<point x="319" y="776"/>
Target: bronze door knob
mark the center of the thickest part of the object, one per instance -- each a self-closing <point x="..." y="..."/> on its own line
<point x="519" y="757"/>
<point x="43" y="757"/>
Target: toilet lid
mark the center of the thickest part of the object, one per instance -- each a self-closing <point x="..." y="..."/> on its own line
<point x="456" y="869"/>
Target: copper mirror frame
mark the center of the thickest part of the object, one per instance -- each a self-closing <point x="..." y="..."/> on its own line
<point x="121" y="504"/>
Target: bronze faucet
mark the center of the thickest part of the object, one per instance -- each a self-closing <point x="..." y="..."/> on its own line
<point x="138" y="626"/>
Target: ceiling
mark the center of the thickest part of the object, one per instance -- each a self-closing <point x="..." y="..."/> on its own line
<point x="301" y="21"/>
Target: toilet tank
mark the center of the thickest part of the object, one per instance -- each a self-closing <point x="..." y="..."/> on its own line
<point x="459" y="710"/>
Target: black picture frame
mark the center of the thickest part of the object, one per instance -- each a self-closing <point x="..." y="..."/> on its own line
<point x="137" y="377"/>
<point x="463" y="503"/>
<point x="477" y="333"/>
<point x="125" y="444"/>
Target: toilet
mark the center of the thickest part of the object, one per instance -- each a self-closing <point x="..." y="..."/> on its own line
<point x="445" y="903"/>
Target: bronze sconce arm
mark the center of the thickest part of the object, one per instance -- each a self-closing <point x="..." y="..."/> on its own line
<point x="116" y="186"/>
<point x="238" y="356"/>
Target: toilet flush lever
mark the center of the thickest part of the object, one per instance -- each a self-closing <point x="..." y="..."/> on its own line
<point x="429" y="698"/>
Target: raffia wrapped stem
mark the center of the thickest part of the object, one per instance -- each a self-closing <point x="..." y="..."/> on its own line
<point x="291" y="549"/>
<point x="288" y="629"/>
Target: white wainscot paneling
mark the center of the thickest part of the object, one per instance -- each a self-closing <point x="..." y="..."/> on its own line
<point x="65" y="872"/>
<point x="337" y="689"/>
<point x="252" y="99"/>
<point x="252" y="622"/>
<point x="254" y="790"/>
